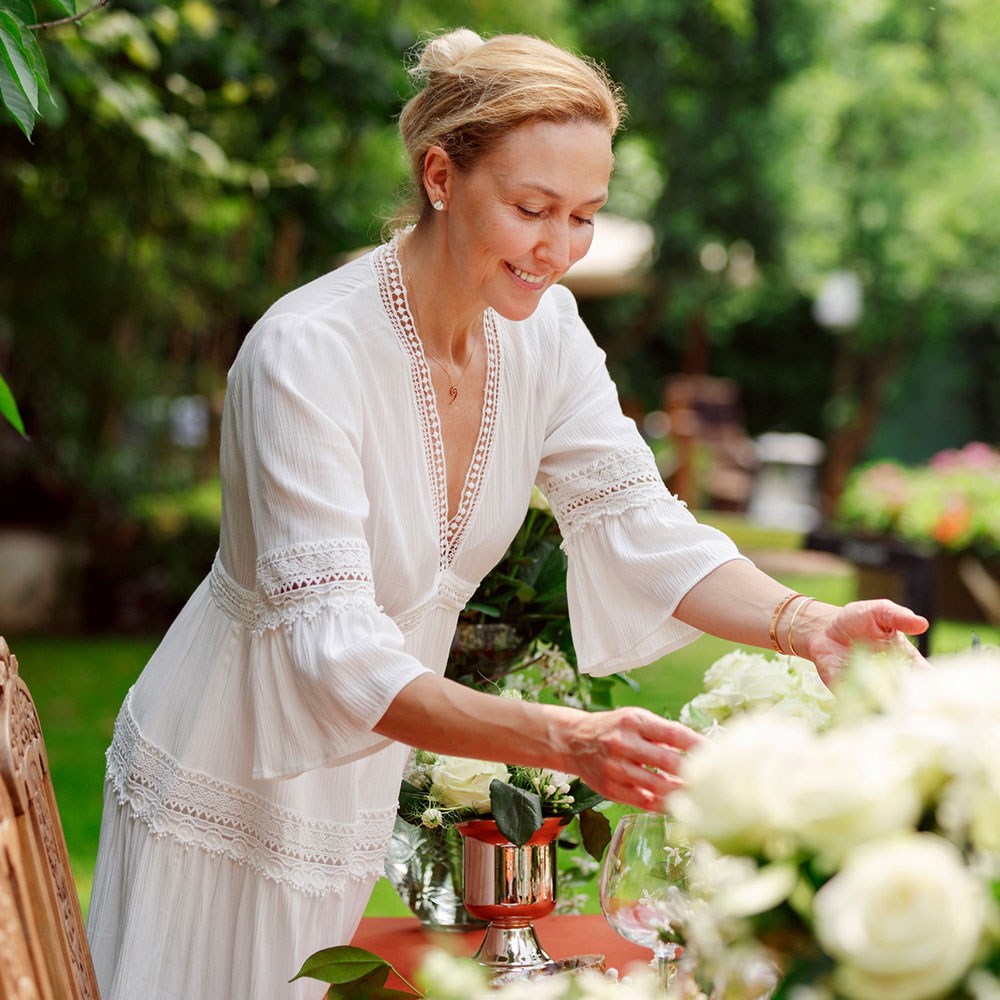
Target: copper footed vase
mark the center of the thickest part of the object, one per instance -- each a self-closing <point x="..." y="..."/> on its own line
<point x="511" y="887"/>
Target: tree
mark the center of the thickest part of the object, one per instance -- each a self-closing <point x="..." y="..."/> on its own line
<point x="700" y="80"/>
<point x="24" y="84"/>
<point x="198" y="160"/>
<point x="890" y="142"/>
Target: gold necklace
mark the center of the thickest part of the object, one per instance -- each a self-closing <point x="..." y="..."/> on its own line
<point x="453" y="388"/>
<point x="453" y="384"/>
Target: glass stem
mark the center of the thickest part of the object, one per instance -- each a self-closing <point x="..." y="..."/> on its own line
<point x="666" y="973"/>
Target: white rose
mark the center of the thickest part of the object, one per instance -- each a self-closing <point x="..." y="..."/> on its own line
<point x="957" y="688"/>
<point x="903" y="918"/>
<point x="969" y="803"/>
<point x="734" y="783"/>
<point x="742" y="682"/>
<point x="538" y="500"/>
<point x="465" y="784"/>
<point x="849" y="787"/>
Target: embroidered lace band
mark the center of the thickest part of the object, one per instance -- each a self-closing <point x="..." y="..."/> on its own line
<point x="611" y="485"/>
<point x="451" y="593"/>
<point x="313" y="856"/>
<point x="298" y="582"/>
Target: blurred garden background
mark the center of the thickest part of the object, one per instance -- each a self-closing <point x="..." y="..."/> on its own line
<point x="803" y="317"/>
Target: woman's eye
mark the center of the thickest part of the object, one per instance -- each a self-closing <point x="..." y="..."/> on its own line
<point x="527" y="213"/>
<point x="582" y="221"/>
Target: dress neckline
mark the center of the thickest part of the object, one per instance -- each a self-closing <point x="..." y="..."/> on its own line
<point x="392" y="290"/>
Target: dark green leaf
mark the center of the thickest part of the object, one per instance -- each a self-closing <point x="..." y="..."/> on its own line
<point x="17" y="58"/>
<point x="343" y="964"/>
<point x="37" y="57"/>
<point x="67" y="7"/>
<point x="15" y="101"/>
<point x="485" y="609"/>
<point x="584" y="797"/>
<point x="595" y="831"/>
<point x="411" y="799"/>
<point x="8" y="408"/>
<point x="370" y="987"/>
<point x="23" y="10"/>
<point x="518" y="813"/>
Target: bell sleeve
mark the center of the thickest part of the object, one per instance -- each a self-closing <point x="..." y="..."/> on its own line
<point x="633" y="549"/>
<point x="325" y="660"/>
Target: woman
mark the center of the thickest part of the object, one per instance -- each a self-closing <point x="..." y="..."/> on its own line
<point x="383" y="428"/>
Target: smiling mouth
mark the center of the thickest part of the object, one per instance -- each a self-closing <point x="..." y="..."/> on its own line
<point x="531" y="279"/>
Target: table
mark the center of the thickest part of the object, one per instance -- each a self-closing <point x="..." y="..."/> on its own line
<point x="403" y="941"/>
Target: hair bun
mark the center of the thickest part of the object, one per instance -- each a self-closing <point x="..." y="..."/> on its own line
<point x="448" y="50"/>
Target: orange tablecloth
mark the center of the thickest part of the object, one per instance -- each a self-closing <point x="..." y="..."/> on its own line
<point x="403" y="941"/>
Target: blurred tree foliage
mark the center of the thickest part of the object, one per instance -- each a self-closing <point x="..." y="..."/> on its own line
<point x="198" y="159"/>
<point x="195" y="161"/>
<point x="795" y="139"/>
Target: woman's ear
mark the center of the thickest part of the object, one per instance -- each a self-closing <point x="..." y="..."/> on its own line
<point x="438" y="171"/>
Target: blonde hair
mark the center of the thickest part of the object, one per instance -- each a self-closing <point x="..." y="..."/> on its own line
<point x="475" y="91"/>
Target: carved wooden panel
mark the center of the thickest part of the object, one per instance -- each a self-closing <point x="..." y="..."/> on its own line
<point x="23" y="974"/>
<point x="51" y="900"/>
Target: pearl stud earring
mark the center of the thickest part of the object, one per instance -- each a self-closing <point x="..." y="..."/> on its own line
<point x="439" y="205"/>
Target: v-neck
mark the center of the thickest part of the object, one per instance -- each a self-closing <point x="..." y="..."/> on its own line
<point x="392" y="291"/>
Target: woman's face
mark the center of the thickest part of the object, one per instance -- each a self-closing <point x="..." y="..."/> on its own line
<point x="519" y="219"/>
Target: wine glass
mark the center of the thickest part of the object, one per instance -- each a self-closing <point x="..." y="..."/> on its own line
<point x="642" y="887"/>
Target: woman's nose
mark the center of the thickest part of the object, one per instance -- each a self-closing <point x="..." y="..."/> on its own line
<point x="554" y="247"/>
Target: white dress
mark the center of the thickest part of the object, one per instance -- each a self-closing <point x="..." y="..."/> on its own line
<point x="248" y="802"/>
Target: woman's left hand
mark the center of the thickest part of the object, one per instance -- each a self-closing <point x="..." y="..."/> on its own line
<point x="830" y="633"/>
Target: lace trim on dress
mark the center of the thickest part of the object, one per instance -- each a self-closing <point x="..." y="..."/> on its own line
<point x="611" y="485"/>
<point x="316" y="857"/>
<point x="298" y="583"/>
<point x="392" y="290"/>
<point x="452" y="593"/>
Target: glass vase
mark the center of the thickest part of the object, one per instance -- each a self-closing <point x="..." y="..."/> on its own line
<point x="426" y="868"/>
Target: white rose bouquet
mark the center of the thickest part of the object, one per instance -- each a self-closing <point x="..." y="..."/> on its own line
<point x="441" y="791"/>
<point x="862" y="860"/>
<point x="743" y="682"/>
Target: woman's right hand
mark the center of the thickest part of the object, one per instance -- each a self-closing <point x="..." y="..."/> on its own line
<point x="629" y="755"/>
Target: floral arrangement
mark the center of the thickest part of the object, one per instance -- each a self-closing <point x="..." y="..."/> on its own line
<point x="442" y="791"/>
<point x="952" y="503"/>
<point x="860" y="861"/>
<point x="742" y="682"/>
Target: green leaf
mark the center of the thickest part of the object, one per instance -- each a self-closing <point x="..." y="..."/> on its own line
<point x="343" y="965"/>
<point x="15" y="101"/>
<point x="17" y="57"/>
<point x="370" y="987"/>
<point x="8" y="408"/>
<point x="584" y="797"/>
<point x="411" y="798"/>
<point x="595" y="831"/>
<point x="485" y="609"/>
<point x="67" y="7"/>
<point x="518" y="813"/>
<point x="23" y="10"/>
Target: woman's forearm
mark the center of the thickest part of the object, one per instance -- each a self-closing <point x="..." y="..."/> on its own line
<point x="629" y="754"/>
<point x="737" y="601"/>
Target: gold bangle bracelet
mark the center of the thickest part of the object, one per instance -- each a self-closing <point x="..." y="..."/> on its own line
<point x="791" y="647"/>
<point x="772" y="628"/>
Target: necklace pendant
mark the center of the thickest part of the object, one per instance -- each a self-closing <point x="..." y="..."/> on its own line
<point x="453" y="392"/>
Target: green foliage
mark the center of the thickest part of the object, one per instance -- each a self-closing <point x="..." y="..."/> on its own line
<point x="517" y="811"/>
<point x="24" y="77"/>
<point x="8" y="408"/>
<point x="353" y="974"/>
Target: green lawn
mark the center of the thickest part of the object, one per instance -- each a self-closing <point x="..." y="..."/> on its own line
<point x="79" y="683"/>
